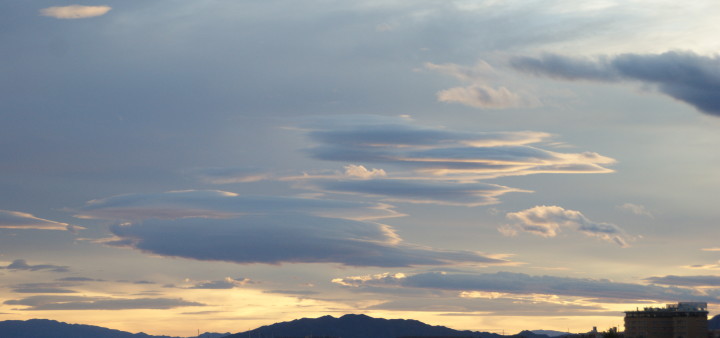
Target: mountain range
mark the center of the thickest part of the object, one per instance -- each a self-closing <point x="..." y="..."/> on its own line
<point x="362" y="326"/>
<point x="347" y="326"/>
<point x="44" y="328"/>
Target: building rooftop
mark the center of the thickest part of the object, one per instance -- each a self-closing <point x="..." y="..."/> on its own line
<point x="679" y="307"/>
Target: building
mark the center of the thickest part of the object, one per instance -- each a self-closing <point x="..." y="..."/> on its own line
<point x="682" y="320"/>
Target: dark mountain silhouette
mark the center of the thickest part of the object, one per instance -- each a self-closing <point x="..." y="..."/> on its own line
<point x="714" y="323"/>
<point x="362" y="326"/>
<point x="43" y="328"/>
<point x="347" y="326"/>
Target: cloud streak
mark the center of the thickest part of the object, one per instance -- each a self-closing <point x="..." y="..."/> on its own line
<point x="22" y="265"/>
<point x="227" y="283"/>
<point x="688" y="281"/>
<point x="221" y="204"/>
<point x="431" y="165"/>
<point x="418" y="191"/>
<point x="520" y="283"/>
<point x="684" y="76"/>
<point x="20" y="220"/>
<point x="74" y="11"/>
<point x="443" y="152"/>
<point x="53" y="303"/>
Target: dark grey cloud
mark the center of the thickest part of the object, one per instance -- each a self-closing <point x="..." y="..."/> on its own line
<point x="520" y="283"/>
<point x="21" y="264"/>
<point x="684" y="76"/>
<point x="284" y="238"/>
<point x="39" y="303"/>
<point x="689" y="281"/>
<point x="220" y="204"/>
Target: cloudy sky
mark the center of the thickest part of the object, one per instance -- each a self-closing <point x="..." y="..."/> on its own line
<point x="169" y="166"/>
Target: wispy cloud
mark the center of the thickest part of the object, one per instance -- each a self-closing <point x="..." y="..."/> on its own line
<point x="443" y="152"/>
<point x="482" y="96"/>
<point x="227" y="283"/>
<point x="221" y="204"/>
<point x="478" y="93"/>
<point x="520" y="283"/>
<point x="56" y="287"/>
<point x="418" y="191"/>
<point x="431" y="164"/>
<point x="75" y="11"/>
<point x="684" y="76"/>
<point x="21" y="264"/>
<point x="547" y="221"/>
<point x="636" y="209"/>
<point x="230" y="175"/>
<point x="691" y="281"/>
<point x="52" y="303"/>
<point x="21" y="220"/>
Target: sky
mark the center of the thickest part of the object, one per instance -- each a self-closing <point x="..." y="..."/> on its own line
<point x="174" y="166"/>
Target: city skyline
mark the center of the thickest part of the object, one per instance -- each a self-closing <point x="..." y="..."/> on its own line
<point x="482" y="165"/>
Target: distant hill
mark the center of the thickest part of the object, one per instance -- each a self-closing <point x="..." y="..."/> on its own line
<point x="43" y="328"/>
<point x="714" y="323"/>
<point x="551" y="333"/>
<point x="362" y="326"/>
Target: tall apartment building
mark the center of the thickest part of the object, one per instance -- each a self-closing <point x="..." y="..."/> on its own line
<point x="682" y="320"/>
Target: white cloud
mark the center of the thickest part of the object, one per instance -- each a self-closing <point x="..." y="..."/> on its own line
<point x="75" y="11"/>
<point x="358" y="171"/>
<point x="547" y="221"/>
